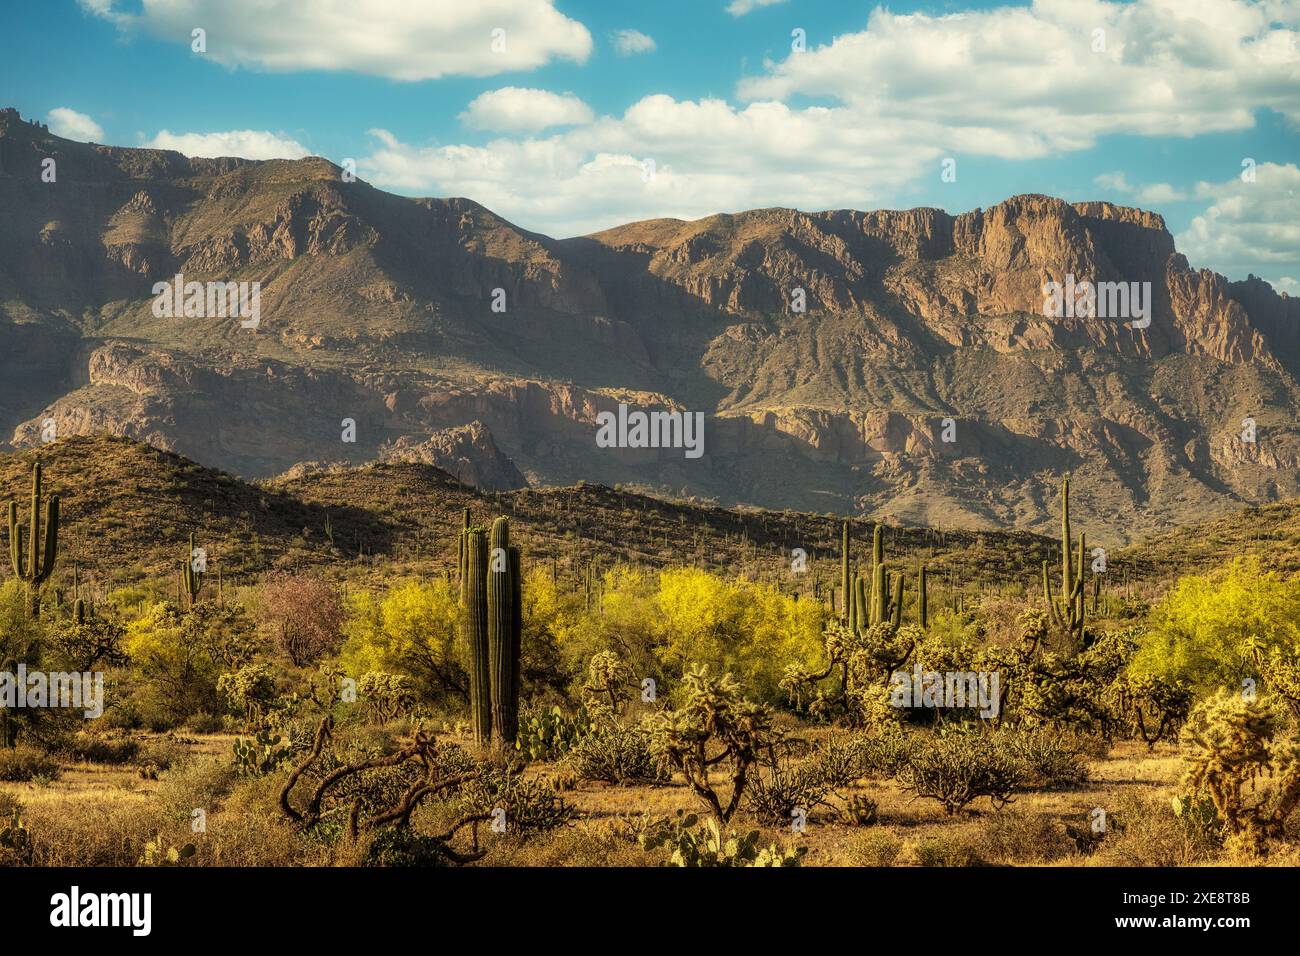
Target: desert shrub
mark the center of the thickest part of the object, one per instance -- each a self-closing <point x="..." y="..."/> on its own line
<point x="957" y="766"/>
<point x="1143" y="831"/>
<point x="403" y="846"/>
<point x="303" y="614"/>
<point x="179" y="676"/>
<point x="1245" y="760"/>
<point x="200" y="783"/>
<point x="22" y="764"/>
<point x="95" y="642"/>
<point x="956" y="849"/>
<point x="201" y="722"/>
<point x="163" y="753"/>
<point x="1048" y="758"/>
<point x="616" y="754"/>
<point x="95" y="748"/>
<point x="1154" y="707"/>
<point x="16" y="847"/>
<point x="714" y="730"/>
<point x="1020" y="837"/>
<point x="874" y="847"/>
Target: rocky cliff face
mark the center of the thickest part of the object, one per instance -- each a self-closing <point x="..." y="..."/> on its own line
<point x="897" y="363"/>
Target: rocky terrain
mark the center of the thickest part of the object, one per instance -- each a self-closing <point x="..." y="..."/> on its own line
<point x="825" y="349"/>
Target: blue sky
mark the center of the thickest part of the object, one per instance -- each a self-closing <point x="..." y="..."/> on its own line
<point x="1152" y="103"/>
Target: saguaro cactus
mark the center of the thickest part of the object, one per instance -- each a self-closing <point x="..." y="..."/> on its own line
<point x="846" y="584"/>
<point x="922" y="608"/>
<point x="38" y="564"/>
<point x="475" y="625"/>
<point x="192" y="577"/>
<point x="1068" y="612"/>
<point x="502" y="634"/>
<point x="461" y="553"/>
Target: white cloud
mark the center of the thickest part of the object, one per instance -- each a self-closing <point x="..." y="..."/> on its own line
<point x="1115" y="182"/>
<point x="628" y="42"/>
<point x="1012" y="82"/>
<point x="1285" y="284"/>
<point x="245" y="143"/>
<point x="1249" y="227"/>
<point x="1028" y="79"/>
<point x="513" y="109"/>
<point x="398" y="39"/>
<point x="738" y="8"/>
<point x="1160" y="192"/>
<point x="73" y="125"/>
<point x="709" y="157"/>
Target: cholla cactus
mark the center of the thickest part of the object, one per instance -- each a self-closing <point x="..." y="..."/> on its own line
<point x="715" y="730"/>
<point x="1243" y="760"/>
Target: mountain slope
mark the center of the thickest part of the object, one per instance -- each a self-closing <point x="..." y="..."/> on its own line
<point x="380" y="310"/>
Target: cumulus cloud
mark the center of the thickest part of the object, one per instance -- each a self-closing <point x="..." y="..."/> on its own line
<point x="1025" y="82"/>
<point x="1160" y="193"/>
<point x="1249" y="227"/>
<point x="890" y="100"/>
<point x="514" y="109"/>
<point x="73" y="125"/>
<point x="397" y="39"/>
<point x="1114" y="182"/>
<point x="708" y="156"/>
<point x="245" y="143"/>
<point x="629" y="42"/>
<point x="738" y="8"/>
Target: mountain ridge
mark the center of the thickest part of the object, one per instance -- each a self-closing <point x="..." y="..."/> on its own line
<point x="378" y="309"/>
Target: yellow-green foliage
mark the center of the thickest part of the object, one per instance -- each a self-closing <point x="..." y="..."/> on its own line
<point x="662" y="622"/>
<point x="1207" y="629"/>
<point x="412" y="629"/>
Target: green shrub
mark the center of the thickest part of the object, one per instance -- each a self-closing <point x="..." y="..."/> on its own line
<point x="92" y="748"/>
<point x="875" y="847"/>
<point x="615" y="754"/>
<point x="22" y="764"/>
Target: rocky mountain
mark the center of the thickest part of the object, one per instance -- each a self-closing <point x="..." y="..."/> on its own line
<point x="896" y="364"/>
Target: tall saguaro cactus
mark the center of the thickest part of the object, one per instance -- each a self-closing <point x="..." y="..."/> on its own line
<point x="922" y="606"/>
<point x="191" y="576"/>
<point x="846" y="586"/>
<point x="502" y="634"/>
<point x="38" y="563"/>
<point x="475" y="629"/>
<point x="492" y="596"/>
<point x="1068" y="611"/>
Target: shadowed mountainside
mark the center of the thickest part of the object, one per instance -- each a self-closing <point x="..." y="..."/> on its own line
<point x="379" y="309"/>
